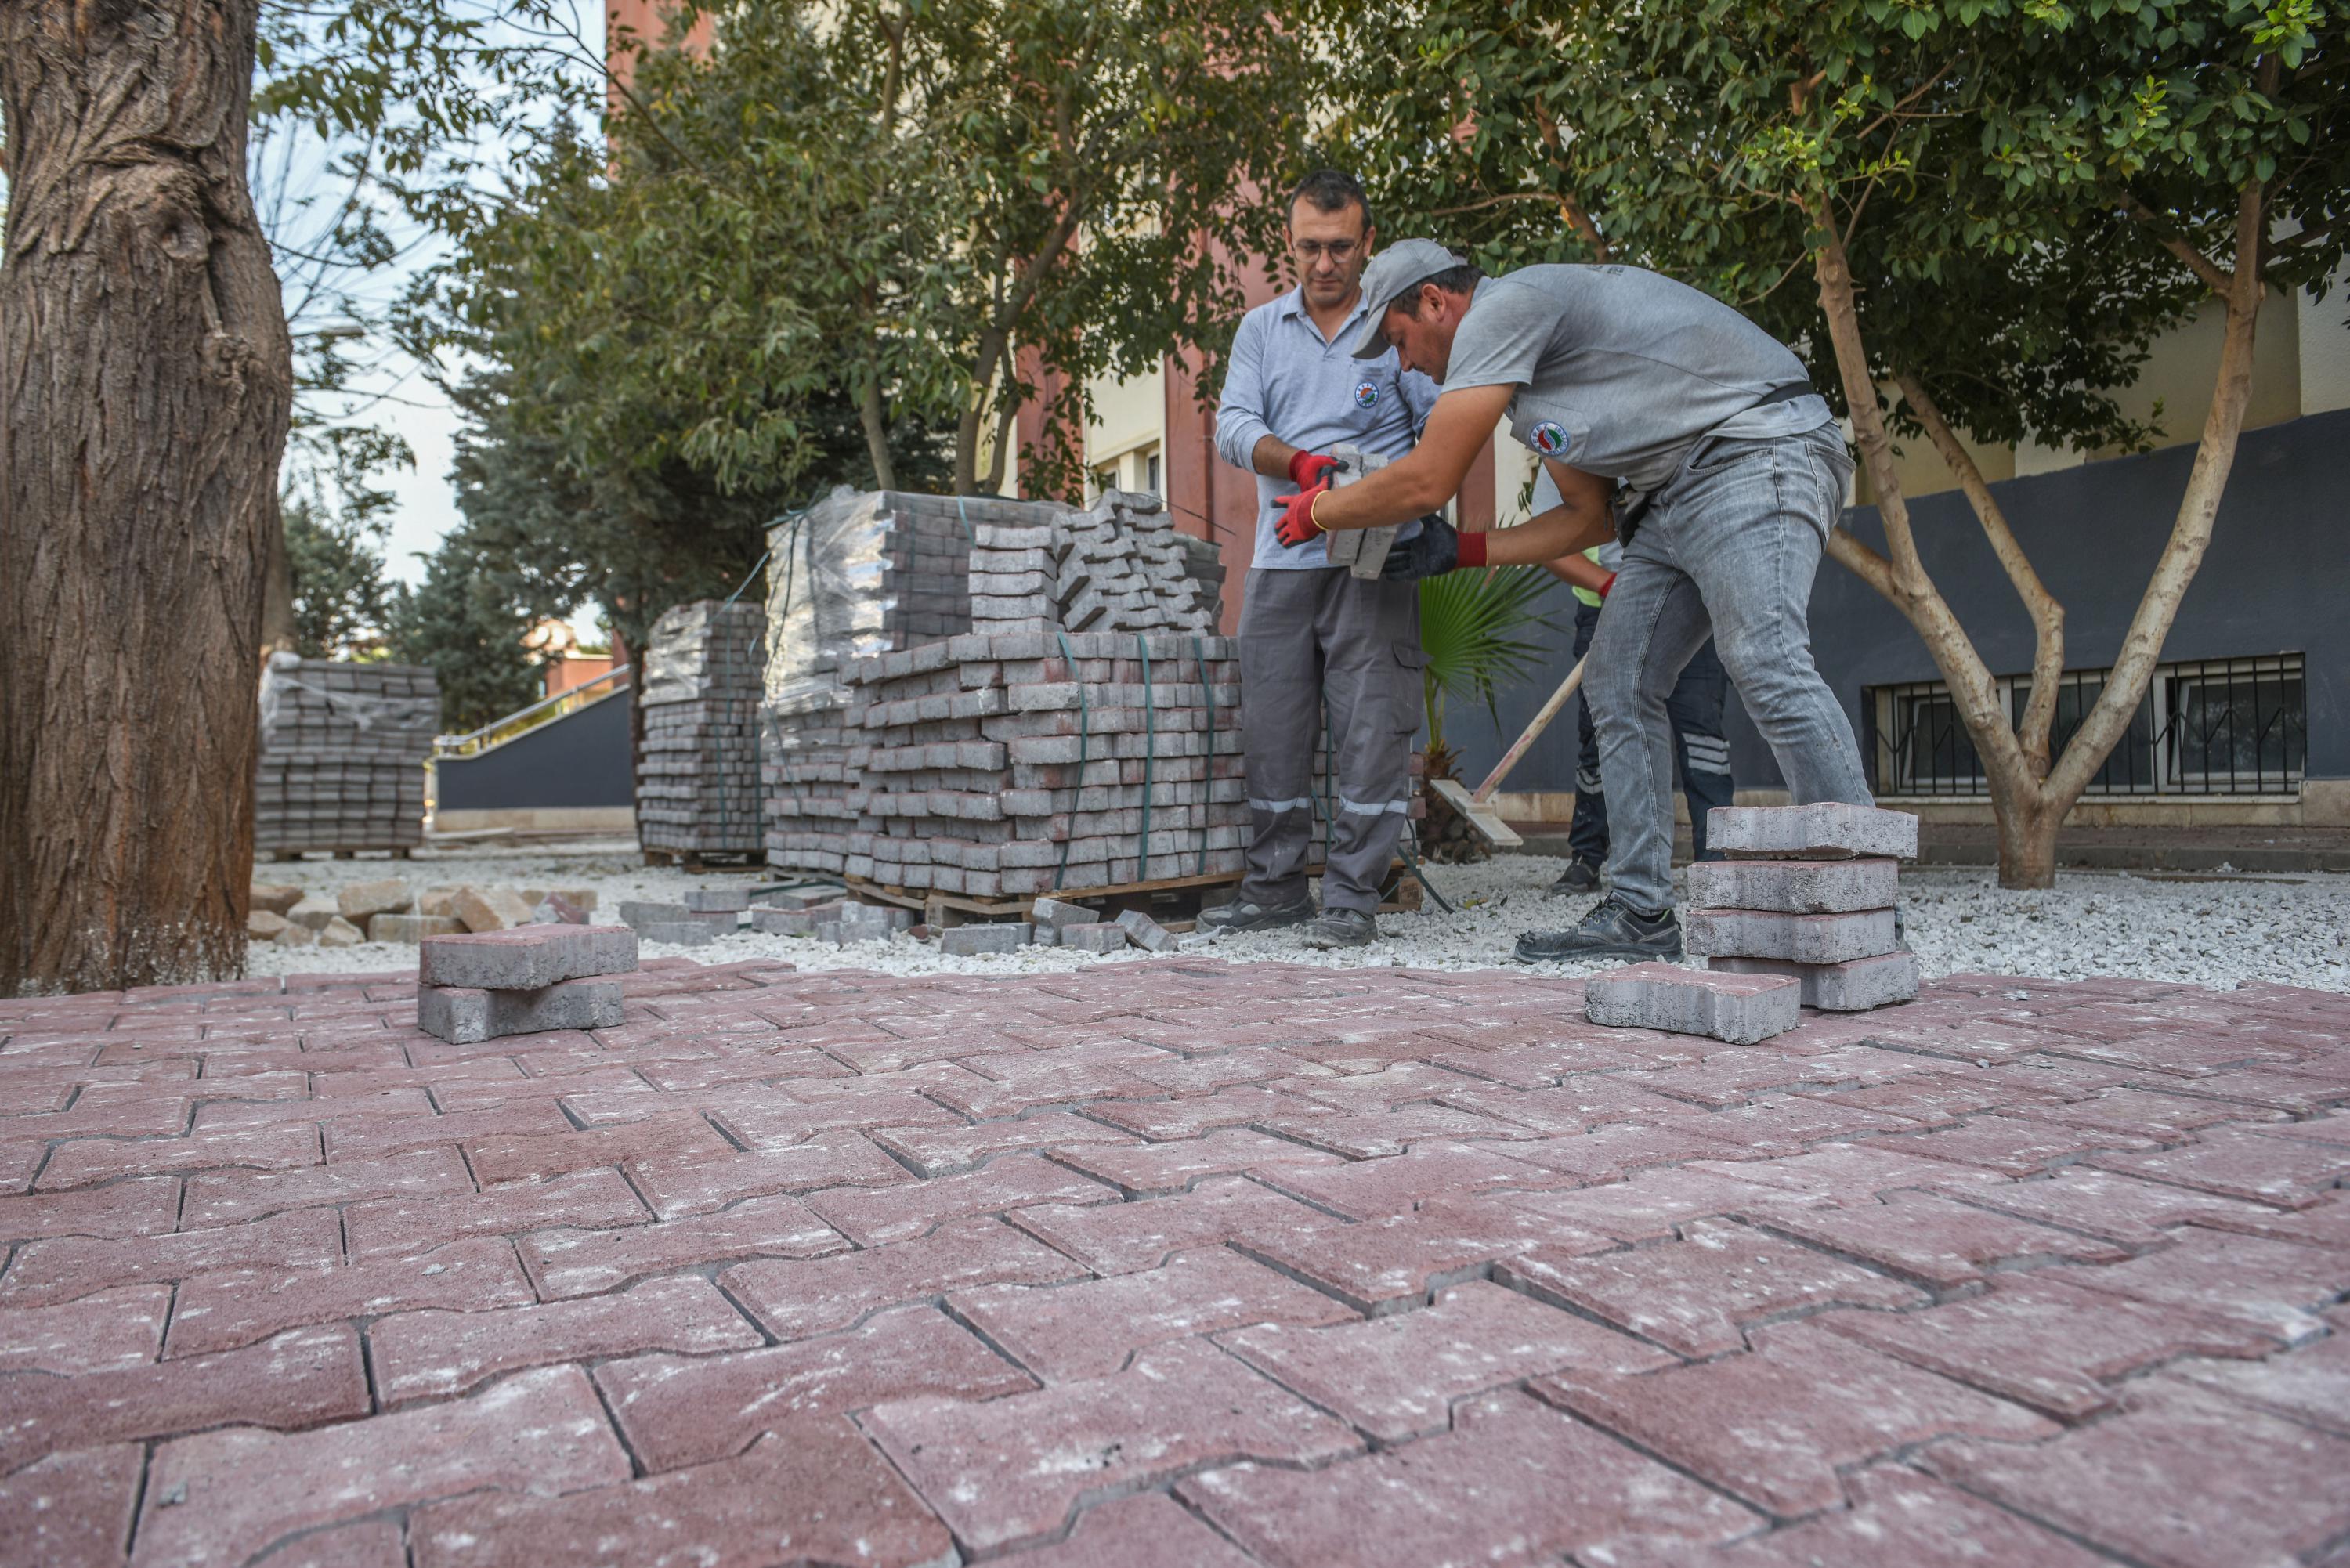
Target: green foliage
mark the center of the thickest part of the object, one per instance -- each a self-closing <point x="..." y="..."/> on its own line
<point x="467" y="621"/>
<point x="1473" y="627"/>
<point x="336" y="519"/>
<point x="2009" y="176"/>
<point x="930" y="210"/>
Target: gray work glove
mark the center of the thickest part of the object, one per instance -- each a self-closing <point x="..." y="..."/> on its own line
<point x="1432" y="551"/>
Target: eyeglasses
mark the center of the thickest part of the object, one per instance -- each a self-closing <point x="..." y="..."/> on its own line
<point x="1339" y="250"/>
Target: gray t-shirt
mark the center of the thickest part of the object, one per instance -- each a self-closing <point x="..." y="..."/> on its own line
<point x="1620" y="371"/>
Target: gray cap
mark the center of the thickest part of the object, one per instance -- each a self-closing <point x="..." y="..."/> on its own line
<point x="1392" y="272"/>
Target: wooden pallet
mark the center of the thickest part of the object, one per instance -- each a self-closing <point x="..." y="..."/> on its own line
<point x="396" y="851"/>
<point x="1175" y="902"/>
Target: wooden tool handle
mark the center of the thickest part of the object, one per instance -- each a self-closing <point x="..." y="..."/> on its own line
<point x="1567" y="689"/>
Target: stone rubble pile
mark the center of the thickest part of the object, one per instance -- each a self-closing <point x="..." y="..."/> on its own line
<point x="392" y="910"/>
<point x="343" y="748"/>
<point x="698" y="765"/>
<point x="525" y="980"/>
<point x="1803" y="914"/>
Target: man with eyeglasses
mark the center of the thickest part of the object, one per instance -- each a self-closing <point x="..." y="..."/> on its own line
<point x="1314" y="637"/>
<point x="1665" y="417"/>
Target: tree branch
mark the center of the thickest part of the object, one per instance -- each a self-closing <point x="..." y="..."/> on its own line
<point x="1569" y="207"/>
<point x="2220" y="281"/>
<point x="2047" y="615"/>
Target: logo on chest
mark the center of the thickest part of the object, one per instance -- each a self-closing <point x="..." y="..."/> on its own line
<point x="1367" y="394"/>
<point x="1551" y="439"/>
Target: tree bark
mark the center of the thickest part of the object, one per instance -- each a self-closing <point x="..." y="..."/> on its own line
<point x="148" y="378"/>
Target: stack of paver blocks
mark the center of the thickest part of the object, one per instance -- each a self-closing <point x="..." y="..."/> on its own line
<point x="1801" y="915"/>
<point x="1007" y="765"/>
<point x="698" y="769"/>
<point x="1120" y="566"/>
<point x="525" y="980"/>
<point x="343" y="748"/>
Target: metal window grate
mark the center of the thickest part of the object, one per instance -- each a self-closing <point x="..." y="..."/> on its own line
<point x="2209" y="726"/>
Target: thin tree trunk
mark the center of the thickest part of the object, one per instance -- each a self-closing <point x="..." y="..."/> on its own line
<point x="278" y="632"/>
<point x="876" y="420"/>
<point x="148" y="376"/>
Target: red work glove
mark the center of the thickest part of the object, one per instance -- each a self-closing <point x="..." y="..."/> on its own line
<point x="1307" y="469"/>
<point x="1602" y="589"/>
<point x="1297" y="525"/>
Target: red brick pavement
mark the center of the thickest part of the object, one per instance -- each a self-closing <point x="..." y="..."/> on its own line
<point x="1173" y="1264"/>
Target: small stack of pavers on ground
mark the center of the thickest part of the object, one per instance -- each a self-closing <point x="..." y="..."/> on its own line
<point x="698" y="768"/>
<point x="343" y="748"/>
<point x="1803" y="914"/>
<point x="525" y="981"/>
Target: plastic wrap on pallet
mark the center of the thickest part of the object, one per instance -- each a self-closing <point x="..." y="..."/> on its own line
<point x="673" y="661"/>
<point x="341" y="761"/>
<point x="828" y="595"/>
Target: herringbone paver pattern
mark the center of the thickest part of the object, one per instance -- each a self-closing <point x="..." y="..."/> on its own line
<point x="1173" y="1262"/>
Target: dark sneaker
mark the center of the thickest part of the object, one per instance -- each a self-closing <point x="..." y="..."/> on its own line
<point x="1612" y="930"/>
<point x="1342" y="929"/>
<point x="1580" y="876"/>
<point x="1243" y="916"/>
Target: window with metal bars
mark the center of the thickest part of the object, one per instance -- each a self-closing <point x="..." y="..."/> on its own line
<point x="2206" y="727"/>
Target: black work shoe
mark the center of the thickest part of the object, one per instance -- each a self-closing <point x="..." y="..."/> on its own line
<point x="1342" y="929"/>
<point x="1612" y="930"/>
<point x="1580" y="876"/>
<point x="1241" y="915"/>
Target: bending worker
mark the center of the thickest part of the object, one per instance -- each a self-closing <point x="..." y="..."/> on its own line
<point x="1312" y="634"/>
<point x="1615" y="375"/>
<point x="1700" y="745"/>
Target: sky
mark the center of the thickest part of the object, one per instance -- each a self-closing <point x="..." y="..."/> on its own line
<point x="424" y="502"/>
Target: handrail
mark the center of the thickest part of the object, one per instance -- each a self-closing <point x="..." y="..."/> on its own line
<point x="547" y="710"/>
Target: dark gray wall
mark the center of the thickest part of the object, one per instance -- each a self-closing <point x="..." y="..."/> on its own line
<point x="578" y="760"/>
<point x="2275" y="580"/>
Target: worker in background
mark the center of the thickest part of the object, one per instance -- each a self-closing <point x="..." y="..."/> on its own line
<point x="1313" y="636"/>
<point x="1700" y="748"/>
<point x="1617" y="376"/>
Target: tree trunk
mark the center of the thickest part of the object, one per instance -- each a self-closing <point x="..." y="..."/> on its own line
<point x="278" y="632"/>
<point x="2027" y="843"/>
<point x="148" y="379"/>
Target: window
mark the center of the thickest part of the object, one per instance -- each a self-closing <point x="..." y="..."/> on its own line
<point x="1151" y="474"/>
<point x="2229" y="726"/>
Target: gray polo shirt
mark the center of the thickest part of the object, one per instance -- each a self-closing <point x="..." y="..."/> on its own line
<point x="1620" y="371"/>
<point x="1284" y="380"/>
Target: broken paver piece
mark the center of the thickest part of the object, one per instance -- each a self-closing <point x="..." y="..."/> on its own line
<point x="410" y="929"/>
<point x="277" y="898"/>
<point x="358" y="901"/>
<point x="464" y="1016"/>
<point x="1827" y="830"/>
<point x="1146" y="933"/>
<point x="490" y="910"/>
<point x="1740" y="1009"/>
<point x="267" y="926"/>
<point x="526" y="957"/>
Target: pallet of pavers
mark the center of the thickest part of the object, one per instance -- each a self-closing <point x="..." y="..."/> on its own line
<point x="698" y="766"/>
<point x="486" y="984"/>
<point x="341" y="761"/>
<point x="1802" y="914"/>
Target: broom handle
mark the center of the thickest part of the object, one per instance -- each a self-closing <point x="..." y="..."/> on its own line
<point x="1567" y="689"/>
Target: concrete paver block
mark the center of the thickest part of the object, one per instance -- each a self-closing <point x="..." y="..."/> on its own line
<point x="464" y="1016"/>
<point x="527" y="958"/>
<point x="639" y="913"/>
<point x="413" y="928"/>
<point x="1740" y="1009"/>
<point x="1798" y="938"/>
<point x="339" y="932"/>
<point x="294" y="934"/>
<point x="717" y="901"/>
<point x="1095" y="937"/>
<point x="1827" y="830"/>
<point x="314" y="911"/>
<point x="358" y="901"/>
<point x="783" y="922"/>
<point x="1856" y="985"/>
<point x="1794" y="886"/>
<point x="677" y="933"/>
<point x="1059" y="914"/>
<point x="264" y="926"/>
<point x="1146" y="933"/>
<point x="865" y="922"/>
<point x="973" y="940"/>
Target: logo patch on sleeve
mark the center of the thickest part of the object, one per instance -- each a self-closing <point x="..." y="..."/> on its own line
<point x="1367" y="394"/>
<point x="1551" y="439"/>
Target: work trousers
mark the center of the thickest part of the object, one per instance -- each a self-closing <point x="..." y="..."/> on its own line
<point x="1700" y="749"/>
<point x="1311" y="640"/>
<point x="1728" y="552"/>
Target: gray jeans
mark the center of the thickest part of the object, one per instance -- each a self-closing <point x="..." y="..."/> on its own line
<point x="1316" y="639"/>
<point x="1728" y="552"/>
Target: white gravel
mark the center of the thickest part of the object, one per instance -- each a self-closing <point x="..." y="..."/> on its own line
<point x="2216" y="931"/>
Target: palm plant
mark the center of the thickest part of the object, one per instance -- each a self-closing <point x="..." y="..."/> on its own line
<point x="1475" y="628"/>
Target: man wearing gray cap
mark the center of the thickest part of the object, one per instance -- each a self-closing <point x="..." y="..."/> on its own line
<point x="1654" y="404"/>
<point x="1314" y="638"/>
